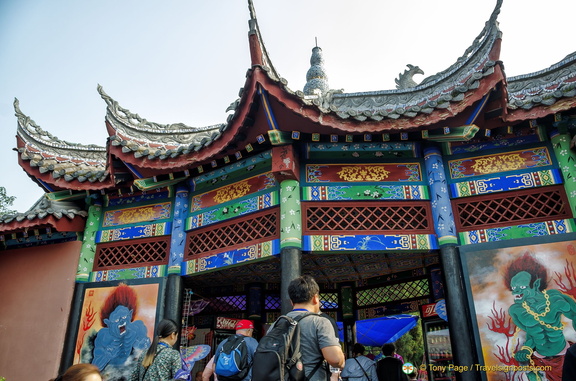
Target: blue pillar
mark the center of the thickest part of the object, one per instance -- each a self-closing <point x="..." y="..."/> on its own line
<point x="459" y="320"/>
<point x="178" y="242"/>
<point x="440" y="198"/>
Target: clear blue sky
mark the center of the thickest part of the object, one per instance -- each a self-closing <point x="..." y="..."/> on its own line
<point x="185" y="60"/>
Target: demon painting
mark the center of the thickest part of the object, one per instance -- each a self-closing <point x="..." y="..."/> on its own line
<point x="115" y="327"/>
<point x="523" y="297"/>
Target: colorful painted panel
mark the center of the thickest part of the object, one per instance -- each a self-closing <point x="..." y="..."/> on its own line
<point x="537" y="229"/>
<point x="231" y="210"/>
<point x="370" y="242"/>
<point x="325" y="173"/>
<point x="523" y="301"/>
<point x="88" y="251"/>
<point x="132" y="273"/>
<point x="137" y="214"/>
<point x="365" y="192"/>
<point x="255" y="164"/>
<point x="133" y="232"/>
<point x="506" y="183"/>
<point x="233" y="191"/>
<point x="497" y="163"/>
<point x="127" y="199"/>
<point x="361" y="150"/>
<point x="116" y="326"/>
<point x="233" y="257"/>
<point x="454" y="149"/>
<point x="562" y="146"/>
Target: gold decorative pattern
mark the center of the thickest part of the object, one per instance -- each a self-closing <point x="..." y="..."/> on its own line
<point x="232" y="192"/>
<point x="503" y="163"/>
<point x="363" y="173"/>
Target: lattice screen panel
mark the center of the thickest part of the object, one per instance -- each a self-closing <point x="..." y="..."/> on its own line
<point x="230" y="303"/>
<point x="393" y="292"/>
<point x="329" y="300"/>
<point x="510" y="208"/>
<point x="363" y="216"/>
<point x="239" y="232"/>
<point x="272" y="302"/>
<point x="141" y="252"/>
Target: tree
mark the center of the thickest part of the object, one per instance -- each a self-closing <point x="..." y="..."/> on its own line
<point x="6" y="202"/>
<point x="411" y="345"/>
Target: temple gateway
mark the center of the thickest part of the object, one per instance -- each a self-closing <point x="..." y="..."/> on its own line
<point x="446" y="204"/>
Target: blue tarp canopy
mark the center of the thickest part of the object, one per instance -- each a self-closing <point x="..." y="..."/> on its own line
<point x="379" y="331"/>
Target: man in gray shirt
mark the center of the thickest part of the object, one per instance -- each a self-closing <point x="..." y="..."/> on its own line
<point x="318" y="342"/>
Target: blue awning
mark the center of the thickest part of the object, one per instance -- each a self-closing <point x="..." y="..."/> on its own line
<point x="379" y="331"/>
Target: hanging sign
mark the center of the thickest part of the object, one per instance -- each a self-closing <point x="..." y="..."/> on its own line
<point x="226" y="323"/>
<point x="429" y="310"/>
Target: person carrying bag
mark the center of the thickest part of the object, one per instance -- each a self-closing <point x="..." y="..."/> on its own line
<point x="162" y="362"/>
<point x="359" y="367"/>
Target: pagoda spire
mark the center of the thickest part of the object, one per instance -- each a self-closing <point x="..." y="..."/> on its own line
<point x="316" y="78"/>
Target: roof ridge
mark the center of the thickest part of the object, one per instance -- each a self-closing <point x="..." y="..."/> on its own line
<point x="142" y="124"/>
<point x="255" y="29"/>
<point x="28" y="127"/>
<point x="569" y="59"/>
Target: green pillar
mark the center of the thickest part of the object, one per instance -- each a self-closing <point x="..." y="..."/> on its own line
<point x="88" y="250"/>
<point x="290" y="238"/>
<point x="290" y="214"/>
<point x="567" y="163"/>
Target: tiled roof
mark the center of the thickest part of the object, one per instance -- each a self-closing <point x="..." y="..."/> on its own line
<point x="140" y="143"/>
<point x="62" y="159"/>
<point x="44" y="213"/>
<point x="435" y="92"/>
<point x="544" y="87"/>
<point x="152" y="140"/>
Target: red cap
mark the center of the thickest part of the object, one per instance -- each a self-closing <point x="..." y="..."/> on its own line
<point x="244" y="324"/>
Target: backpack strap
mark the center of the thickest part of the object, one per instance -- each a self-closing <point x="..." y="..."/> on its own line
<point x="241" y="337"/>
<point x="322" y="362"/>
<point x="361" y="367"/>
<point x="315" y="370"/>
<point x="305" y="314"/>
<point x="148" y="367"/>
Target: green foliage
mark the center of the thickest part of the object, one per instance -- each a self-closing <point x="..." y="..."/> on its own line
<point x="411" y="345"/>
<point x="5" y="204"/>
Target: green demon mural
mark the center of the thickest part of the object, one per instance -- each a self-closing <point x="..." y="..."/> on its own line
<point x="538" y="312"/>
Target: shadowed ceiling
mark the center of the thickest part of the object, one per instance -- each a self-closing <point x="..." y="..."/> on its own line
<point x="325" y="268"/>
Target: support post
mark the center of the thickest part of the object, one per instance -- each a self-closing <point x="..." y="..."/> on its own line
<point x="463" y="347"/>
<point x="88" y="249"/>
<point x="178" y="241"/>
<point x="348" y="316"/>
<point x="173" y="298"/>
<point x="72" y="327"/>
<point x="567" y="163"/>
<point x="290" y="238"/>
<point x="291" y="262"/>
<point x="459" y="320"/>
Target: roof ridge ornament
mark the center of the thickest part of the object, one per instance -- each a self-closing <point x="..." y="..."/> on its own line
<point x="405" y="80"/>
<point x="316" y="78"/>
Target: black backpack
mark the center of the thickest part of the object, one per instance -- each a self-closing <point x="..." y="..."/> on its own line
<point x="232" y="362"/>
<point x="278" y="356"/>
